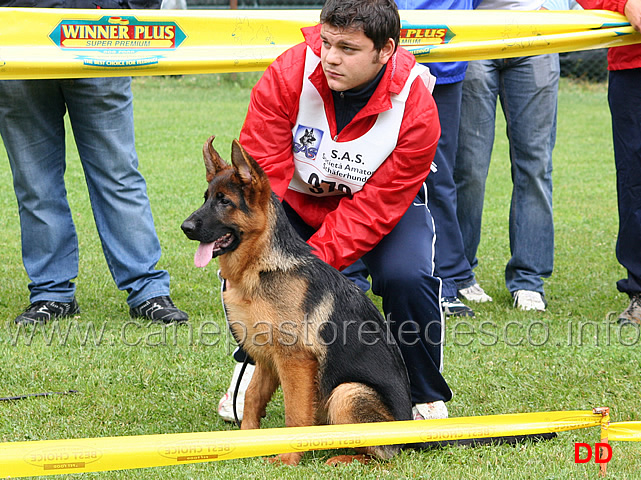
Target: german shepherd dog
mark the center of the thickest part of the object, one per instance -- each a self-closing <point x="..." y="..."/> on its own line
<point x="307" y="327"/>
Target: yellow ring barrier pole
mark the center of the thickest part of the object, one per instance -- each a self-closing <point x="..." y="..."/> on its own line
<point x="66" y="43"/>
<point x="533" y="45"/>
<point x="50" y="457"/>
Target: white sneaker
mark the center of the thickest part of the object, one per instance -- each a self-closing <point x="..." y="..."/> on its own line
<point x="429" y="411"/>
<point x="529" y="300"/>
<point x="474" y="293"/>
<point x="226" y="403"/>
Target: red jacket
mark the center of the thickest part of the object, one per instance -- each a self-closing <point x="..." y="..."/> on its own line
<point x="619" y="58"/>
<point x="347" y="227"/>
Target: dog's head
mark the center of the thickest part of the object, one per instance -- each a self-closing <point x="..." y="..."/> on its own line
<point x="308" y="138"/>
<point x="235" y="207"/>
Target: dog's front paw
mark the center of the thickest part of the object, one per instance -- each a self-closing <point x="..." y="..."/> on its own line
<point x="346" y="459"/>
<point x="286" y="458"/>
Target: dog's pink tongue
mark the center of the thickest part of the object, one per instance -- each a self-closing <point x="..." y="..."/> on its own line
<point x="204" y="254"/>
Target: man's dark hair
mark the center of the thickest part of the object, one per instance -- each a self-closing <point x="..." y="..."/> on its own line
<point x="379" y="19"/>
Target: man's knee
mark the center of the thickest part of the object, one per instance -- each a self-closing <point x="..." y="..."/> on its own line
<point x="404" y="282"/>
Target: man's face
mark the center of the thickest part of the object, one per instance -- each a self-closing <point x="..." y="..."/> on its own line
<point x="349" y="58"/>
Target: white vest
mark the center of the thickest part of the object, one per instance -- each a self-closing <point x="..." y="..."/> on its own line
<point x="324" y="167"/>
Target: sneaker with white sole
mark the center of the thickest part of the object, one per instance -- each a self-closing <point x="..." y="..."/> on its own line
<point x="529" y="300"/>
<point x="43" y="311"/>
<point x="226" y="403"/>
<point x="159" y="310"/>
<point x="632" y="314"/>
<point x="474" y="293"/>
<point x="429" y="411"/>
<point x="453" y="307"/>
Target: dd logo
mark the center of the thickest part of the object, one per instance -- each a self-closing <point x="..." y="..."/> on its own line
<point x="602" y="453"/>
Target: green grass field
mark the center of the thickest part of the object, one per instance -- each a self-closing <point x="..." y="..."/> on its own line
<point x="135" y="379"/>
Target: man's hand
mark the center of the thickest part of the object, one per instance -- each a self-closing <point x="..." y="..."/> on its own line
<point x="633" y="13"/>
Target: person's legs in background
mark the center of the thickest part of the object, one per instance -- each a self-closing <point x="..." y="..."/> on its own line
<point x="104" y="133"/>
<point x="474" y="152"/>
<point x="101" y="113"/>
<point x="528" y="93"/>
<point x="451" y="264"/>
<point x="624" y="98"/>
<point x="102" y="118"/>
<point x="32" y="126"/>
<point x="528" y="89"/>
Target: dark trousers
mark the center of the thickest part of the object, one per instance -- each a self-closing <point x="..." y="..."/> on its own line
<point x="451" y="264"/>
<point x="624" y="97"/>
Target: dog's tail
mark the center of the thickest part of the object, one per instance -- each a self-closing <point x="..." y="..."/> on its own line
<point x="358" y="403"/>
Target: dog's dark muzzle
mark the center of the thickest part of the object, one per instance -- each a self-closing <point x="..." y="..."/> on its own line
<point x="191" y="227"/>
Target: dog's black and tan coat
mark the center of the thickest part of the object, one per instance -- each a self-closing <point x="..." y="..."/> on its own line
<point x="307" y="327"/>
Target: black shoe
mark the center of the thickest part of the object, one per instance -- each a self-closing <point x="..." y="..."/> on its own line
<point x="453" y="307"/>
<point x="159" y="310"/>
<point x="43" y="311"/>
<point x="632" y="314"/>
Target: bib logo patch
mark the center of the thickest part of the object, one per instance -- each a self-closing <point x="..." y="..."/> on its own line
<point x="307" y="140"/>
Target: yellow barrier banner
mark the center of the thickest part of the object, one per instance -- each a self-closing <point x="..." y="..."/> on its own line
<point x="67" y="43"/>
<point x="625" y="431"/>
<point x="51" y="457"/>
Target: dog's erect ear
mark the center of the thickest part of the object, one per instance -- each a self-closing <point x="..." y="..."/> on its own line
<point x="244" y="164"/>
<point x="213" y="162"/>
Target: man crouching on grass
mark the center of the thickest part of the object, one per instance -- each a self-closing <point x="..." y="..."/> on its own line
<point x="346" y="128"/>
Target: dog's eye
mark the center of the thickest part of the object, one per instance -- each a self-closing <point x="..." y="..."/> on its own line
<point x="222" y="199"/>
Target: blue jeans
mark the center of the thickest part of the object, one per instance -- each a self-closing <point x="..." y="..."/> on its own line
<point x="624" y="98"/>
<point x="527" y="88"/>
<point x="32" y="127"/>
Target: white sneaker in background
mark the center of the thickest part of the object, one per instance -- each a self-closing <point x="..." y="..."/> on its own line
<point x="226" y="403"/>
<point x="529" y="300"/>
<point x="430" y="411"/>
<point x="474" y="293"/>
